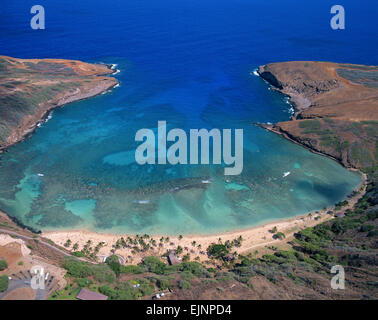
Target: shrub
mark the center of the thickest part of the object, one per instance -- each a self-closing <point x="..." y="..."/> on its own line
<point x="78" y="254"/>
<point x="288" y="255"/>
<point x="4" y="281"/>
<point x="3" y="265"/>
<point x="366" y="228"/>
<point x="217" y="251"/>
<point x="131" y="269"/>
<point x="124" y="291"/>
<point x="194" y="268"/>
<point x="154" y="265"/>
<point x="108" y="291"/>
<point x="183" y="284"/>
<point x="113" y="263"/>
<point x="83" y="282"/>
<point x="373" y="233"/>
<point x="103" y="273"/>
<point x="279" y="235"/>
<point x="270" y="258"/>
<point x="372" y="215"/>
<point x="341" y="226"/>
<point x="162" y="283"/>
<point x="146" y="288"/>
<point x="77" y="269"/>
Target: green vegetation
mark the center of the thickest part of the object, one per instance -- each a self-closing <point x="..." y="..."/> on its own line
<point x="365" y="77"/>
<point x="77" y="269"/>
<point x="83" y="282"/>
<point x="311" y="253"/>
<point x="340" y="205"/>
<point x="310" y="124"/>
<point x="131" y="269"/>
<point x="67" y="243"/>
<point x="183" y="284"/>
<point x="103" y="274"/>
<point x="218" y="251"/>
<point x="113" y="263"/>
<point x="128" y="290"/>
<point x="3" y="265"/>
<point x="361" y="154"/>
<point x="280" y="235"/>
<point x="154" y="265"/>
<point x="4" y="281"/>
<point x="358" y="140"/>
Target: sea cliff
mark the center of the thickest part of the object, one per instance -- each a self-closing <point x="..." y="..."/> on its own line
<point x="336" y="108"/>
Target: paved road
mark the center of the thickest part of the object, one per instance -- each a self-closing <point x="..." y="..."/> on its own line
<point x="41" y="242"/>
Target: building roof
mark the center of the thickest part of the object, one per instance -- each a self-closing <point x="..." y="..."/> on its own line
<point x="172" y="258"/>
<point x="86" y="294"/>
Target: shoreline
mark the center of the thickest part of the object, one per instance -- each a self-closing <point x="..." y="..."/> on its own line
<point x="299" y="102"/>
<point x="277" y="130"/>
<point x="332" y="108"/>
<point x="24" y="132"/>
<point x="254" y="238"/>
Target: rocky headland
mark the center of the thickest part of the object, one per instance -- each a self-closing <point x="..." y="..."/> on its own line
<point x="31" y="88"/>
<point x="336" y="108"/>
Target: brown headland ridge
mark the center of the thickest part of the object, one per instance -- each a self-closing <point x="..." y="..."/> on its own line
<point x="336" y="108"/>
<point x="31" y="88"/>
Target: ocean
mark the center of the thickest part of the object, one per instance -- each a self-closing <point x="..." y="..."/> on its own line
<point x="189" y="63"/>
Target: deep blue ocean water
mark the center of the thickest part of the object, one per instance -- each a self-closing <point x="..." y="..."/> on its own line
<point x="191" y="63"/>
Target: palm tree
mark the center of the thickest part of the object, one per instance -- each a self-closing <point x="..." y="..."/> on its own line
<point x="179" y="250"/>
<point x="180" y="237"/>
<point x="186" y="257"/>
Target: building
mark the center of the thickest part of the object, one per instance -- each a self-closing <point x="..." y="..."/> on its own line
<point x="86" y="294"/>
<point x="172" y="258"/>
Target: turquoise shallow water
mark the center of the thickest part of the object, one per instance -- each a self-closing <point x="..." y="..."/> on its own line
<point x="78" y="169"/>
<point x="191" y="64"/>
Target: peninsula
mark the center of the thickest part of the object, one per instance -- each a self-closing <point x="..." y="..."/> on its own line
<point x="336" y="108"/>
<point x="30" y="88"/>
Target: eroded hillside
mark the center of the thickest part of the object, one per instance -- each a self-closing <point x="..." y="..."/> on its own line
<point x="30" y="88"/>
<point x="336" y="108"/>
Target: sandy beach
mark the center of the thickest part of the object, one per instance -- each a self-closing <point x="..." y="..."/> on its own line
<point x="254" y="238"/>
